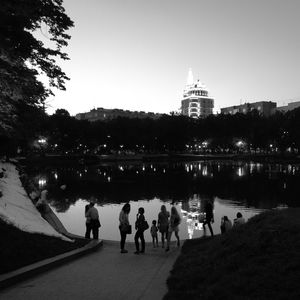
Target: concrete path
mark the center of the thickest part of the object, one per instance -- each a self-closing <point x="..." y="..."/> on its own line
<point x="104" y="274"/>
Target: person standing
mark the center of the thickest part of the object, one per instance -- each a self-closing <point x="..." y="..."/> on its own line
<point x="124" y="223"/>
<point x="174" y="226"/>
<point x="209" y="217"/>
<point x="93" y="215"/>
<point x="87" y="222"/>
<point x="140" y="228"/>
<point x="226" y="224"/>
<point x="154" y="231"/>
<point x="163" y="224"/>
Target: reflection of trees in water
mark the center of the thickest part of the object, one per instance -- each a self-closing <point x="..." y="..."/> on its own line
<point x="178" y="182"/>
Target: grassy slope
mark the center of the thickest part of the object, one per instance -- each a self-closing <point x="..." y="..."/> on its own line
<point x="19" y="248"/>
<point x="260" y="260"/>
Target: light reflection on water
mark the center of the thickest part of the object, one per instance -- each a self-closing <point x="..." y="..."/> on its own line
<point x="247" y="187"/>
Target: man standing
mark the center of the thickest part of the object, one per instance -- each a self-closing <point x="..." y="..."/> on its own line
<point x="209" y="216"/>
<point x="92" y="216"/>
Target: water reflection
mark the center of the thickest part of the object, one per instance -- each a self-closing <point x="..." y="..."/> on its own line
<point x="247" y="186"/>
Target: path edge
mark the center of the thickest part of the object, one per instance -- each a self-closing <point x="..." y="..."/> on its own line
<point x="28" y="271"/>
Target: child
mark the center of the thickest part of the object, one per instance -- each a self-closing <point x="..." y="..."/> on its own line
<point x="154" y="231"/>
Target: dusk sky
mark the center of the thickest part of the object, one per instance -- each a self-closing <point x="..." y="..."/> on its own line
<point x="135" y="54"/>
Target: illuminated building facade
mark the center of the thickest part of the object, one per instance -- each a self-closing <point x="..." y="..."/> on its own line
<point x="264" y="108"/>
<point x="196" y="102"/>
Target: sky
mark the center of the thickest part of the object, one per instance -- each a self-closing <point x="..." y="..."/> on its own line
<point x="135" y="54"/>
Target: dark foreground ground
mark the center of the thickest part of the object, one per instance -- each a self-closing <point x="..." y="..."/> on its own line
<point x="19" y="248"/>
<point x="260" y="260"/>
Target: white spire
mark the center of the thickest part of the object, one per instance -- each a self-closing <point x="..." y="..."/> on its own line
<point x="190" y="78"/>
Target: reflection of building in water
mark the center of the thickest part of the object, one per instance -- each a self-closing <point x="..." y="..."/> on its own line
<point x="201" y="169"/>
<point x="192" y="210"/>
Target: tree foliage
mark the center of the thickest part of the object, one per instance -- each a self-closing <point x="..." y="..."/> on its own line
<point x="175" y="133"/>
<point x="23" y="56"/>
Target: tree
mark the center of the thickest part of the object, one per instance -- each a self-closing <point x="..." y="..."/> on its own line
<point x="62" y="112"/>
<point x="23" y="57"/>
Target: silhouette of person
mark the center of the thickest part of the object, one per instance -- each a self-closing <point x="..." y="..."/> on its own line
<point x="209" y="217"/>
<point x="154" y="231"/>
<point x="174" y="226"/>
<point x="93" y="215"/>
<point x="87" y="222"/>
<point x="124" y="223"/>
<point x="163" y="224"/>
<point x="226" y="224"/>
<point x="139" y="226"/>
<point x="239" y="220"/>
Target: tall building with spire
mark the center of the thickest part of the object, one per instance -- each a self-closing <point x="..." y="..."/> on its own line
<point x="196" y="101"/>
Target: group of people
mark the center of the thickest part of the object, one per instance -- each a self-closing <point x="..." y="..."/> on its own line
<point x="92" y="220"/>
<point x="166" y="224"/>
<point x="226" y="224"/>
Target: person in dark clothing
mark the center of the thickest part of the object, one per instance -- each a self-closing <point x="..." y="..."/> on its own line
<point x="139" y="226"/>
<point x="93" y="215"/>
<point x="87" y="223"/>
<point x="209" y="217"/>
<point x="124" y="223"/>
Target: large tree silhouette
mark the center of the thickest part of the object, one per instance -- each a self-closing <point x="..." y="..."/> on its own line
<point x="23" y="57"/>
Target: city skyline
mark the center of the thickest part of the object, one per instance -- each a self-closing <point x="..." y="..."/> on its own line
<point x="135" y="55"/>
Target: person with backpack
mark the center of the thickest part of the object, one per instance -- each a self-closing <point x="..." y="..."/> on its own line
<point x="140" y="225"/>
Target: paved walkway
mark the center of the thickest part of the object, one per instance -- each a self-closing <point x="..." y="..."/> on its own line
<point x="104" y="274"/>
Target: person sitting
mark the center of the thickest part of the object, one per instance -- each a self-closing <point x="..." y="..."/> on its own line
<point x="239" y="219"/>
<point x="226" y="224"/>
<point x="41" y="203"/>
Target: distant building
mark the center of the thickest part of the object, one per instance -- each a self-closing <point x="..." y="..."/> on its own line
<point x="290" y="106"/>
<point x="265" y="108"/>
<point x="196" y="101"/>
<point x="104" y="114"/>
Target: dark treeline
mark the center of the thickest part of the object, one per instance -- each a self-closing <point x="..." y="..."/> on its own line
<point x="62" y="134"/>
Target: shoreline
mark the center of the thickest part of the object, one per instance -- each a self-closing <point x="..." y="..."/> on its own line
<point x="160" y="157"/>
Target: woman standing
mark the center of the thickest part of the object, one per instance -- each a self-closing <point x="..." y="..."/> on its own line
<point x="140" y="228"/>
<point x="124" y="225"/>
<point x="174" y="226"/>
<point x="163" y="224"/>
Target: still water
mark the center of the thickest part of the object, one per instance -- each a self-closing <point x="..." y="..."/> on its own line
<point x="247" y="187"/>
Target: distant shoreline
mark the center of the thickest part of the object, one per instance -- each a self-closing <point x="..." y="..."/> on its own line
<point x="160" y="157"/>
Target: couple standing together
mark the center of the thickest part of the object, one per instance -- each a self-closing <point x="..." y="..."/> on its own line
<point x="166" y="224"/>
<point x="92" y="220"/>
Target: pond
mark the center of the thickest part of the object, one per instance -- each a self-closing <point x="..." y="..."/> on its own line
<point x="245" y="187"/>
